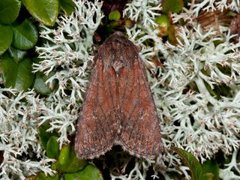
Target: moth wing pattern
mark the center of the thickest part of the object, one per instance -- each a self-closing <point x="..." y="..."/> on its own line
<point x="118" y="108"/>
<point x="96" y="128"/>
<point x="140" y="133"/>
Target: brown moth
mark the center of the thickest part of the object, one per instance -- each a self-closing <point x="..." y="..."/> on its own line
<point x="118" y="108"/>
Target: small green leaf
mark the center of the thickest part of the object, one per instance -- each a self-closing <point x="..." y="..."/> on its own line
<point x="174" y="6"/>
<point x="162" y="20"/>
<point x="9" y="10"/>
<point x="42" y="176"/>
<point x="6" y="35"/>
<point x="68" y="162"/>
<point x="39" y="84"/>
<point x="67" y="6"/>
<point x="75" y="163"/>
<point x="114" y="15"/>
<point x="64" y="157"/>
<point x="25" y="35"/>
<point x="16" y="54"/>
<point x="211" y="170"/>
<point x="17" y="75"/>
<point x="44" y="135"/>
<point x="164" y="23"/>
<point x="52" y="147"/>
<point x="72" y="167"/>
<point x="190" y="161"/>
<point x="46" y="11"/>
<point x="89" y="172"/>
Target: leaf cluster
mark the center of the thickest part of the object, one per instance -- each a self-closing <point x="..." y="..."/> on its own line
<point x="19" y="22"/>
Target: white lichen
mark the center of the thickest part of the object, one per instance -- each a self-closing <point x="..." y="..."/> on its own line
<point x="144" y="10"/>
<point x="198" y="6"/>
<point x="18" y="135"/>
<point x="68" y="49"/>
<point x="228" y="172"/>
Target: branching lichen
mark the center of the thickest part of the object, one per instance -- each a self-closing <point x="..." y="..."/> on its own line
<point x="211" y="5"/>
<point x="18" y="135"/>
<point x="146" y="10"/>
<point x="68" y="49"/>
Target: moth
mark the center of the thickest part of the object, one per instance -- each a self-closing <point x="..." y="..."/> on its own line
<point x="118" y="108"/>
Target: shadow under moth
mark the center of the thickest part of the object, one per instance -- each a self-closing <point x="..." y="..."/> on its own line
<point x="118" y="108"/>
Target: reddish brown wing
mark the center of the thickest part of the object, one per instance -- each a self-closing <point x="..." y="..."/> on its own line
<point x="96" y="130"/>
<point x="118" y="108"/>
<point x="140" y="127"/>
<point x="139" y="132"/>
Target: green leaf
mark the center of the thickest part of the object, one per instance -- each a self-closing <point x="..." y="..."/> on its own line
<point x="114" y="15"/>
<point x="68" y="161"/>
<point x="17" y="75"/>
<point x="64" y="157"/>
<point x="44" y="135"/>
<point x="52" y="149"/>
<point x="6" y="35"/>
<point x="75" y="163"/>
<point x="162" y="20"/>
<point x="25" y="35"/>
<point x="67" y="6"/>
<point x="211" y="170"/>
<point x="164" y="23"/>
<point x="42" y="176"/>
<point x="39" y="84"/>
<point x="89" y="172"/>
<point x="16" y="54"/>
<point x="174" y="6"/>
<point x="46" y="11"/>
<point x="9" y="10"/>
<point x="190" y="161"/>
